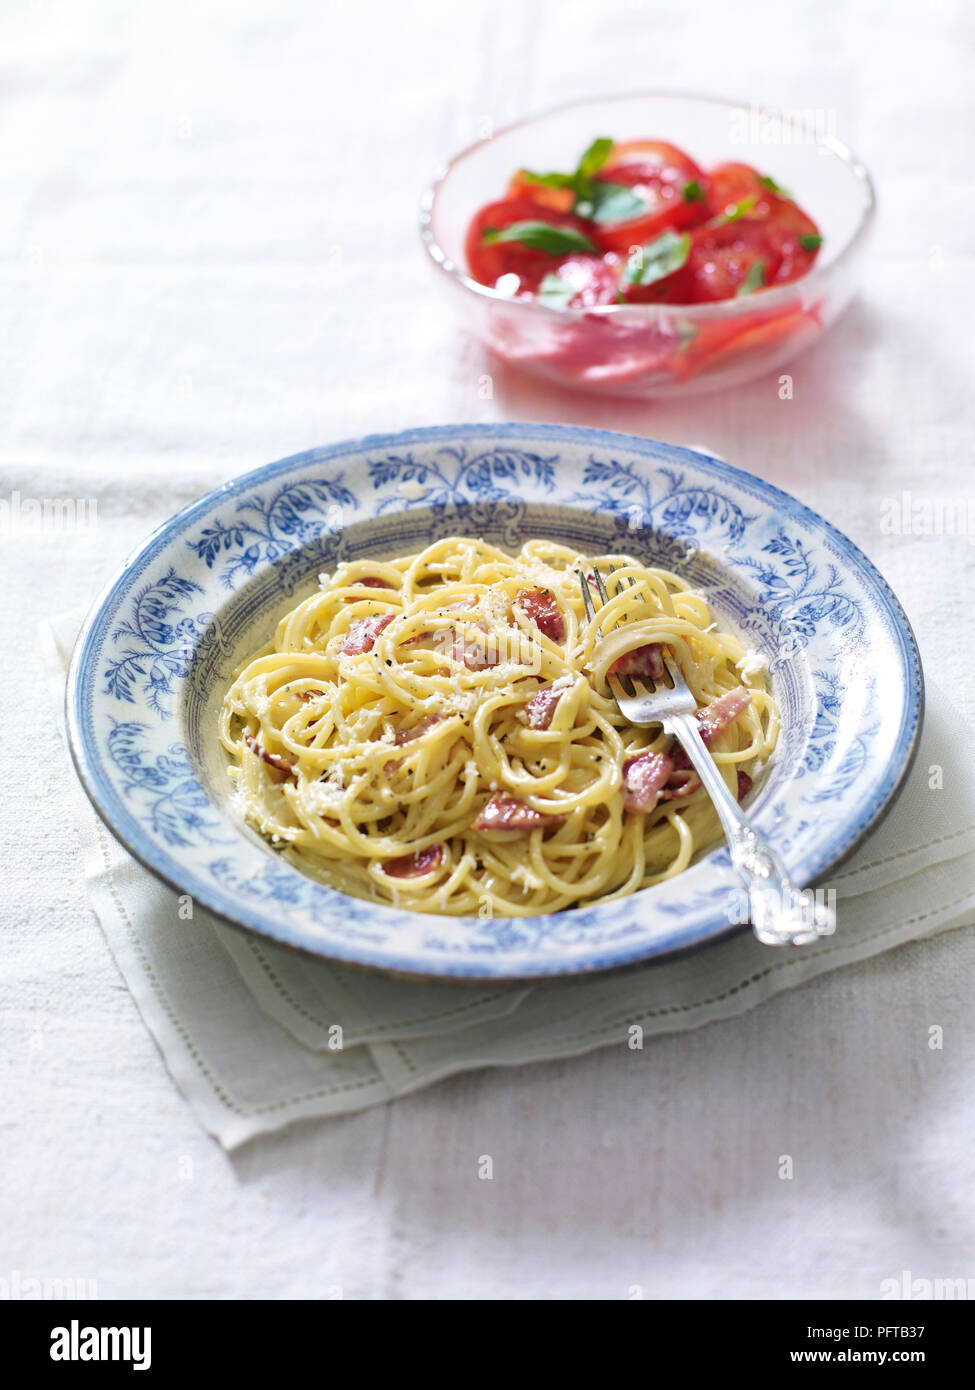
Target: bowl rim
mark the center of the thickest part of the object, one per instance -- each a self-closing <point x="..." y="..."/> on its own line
<point x="653" y="313"/>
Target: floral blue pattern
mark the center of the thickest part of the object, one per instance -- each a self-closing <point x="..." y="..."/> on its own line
<point x="800" y="594"/>
<point x="266" y="528"/>
<point x="821" y="750"/>
<point x="457" y="475"/>
<point x="160" y="649"/>
<point x="156" y="655"/>
<point x="165" y="785"/>
<point x="682" y="507"/>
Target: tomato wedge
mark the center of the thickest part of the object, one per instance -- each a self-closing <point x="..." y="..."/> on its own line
<point x="715" y="344"/>
<point x="734" y="184"/>
<point x="792" y="234"/>
<point x="489" y="262"/>
<point x="763" y="335"/>
<point x="723" y="259"/>
<point x="672" y="187"/>
<point x="561" y="199"/>
<point x="796" y="237"/>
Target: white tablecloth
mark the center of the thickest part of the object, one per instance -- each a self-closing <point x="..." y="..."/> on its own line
<point x="208" y="259"/>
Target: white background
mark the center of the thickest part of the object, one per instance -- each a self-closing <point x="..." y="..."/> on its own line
<point x="208" y="259"/>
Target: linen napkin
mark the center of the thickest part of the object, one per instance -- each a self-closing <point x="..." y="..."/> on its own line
<point x="257" y="1036"/>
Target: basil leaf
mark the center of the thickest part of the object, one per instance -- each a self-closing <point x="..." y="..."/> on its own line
<point x="657" y="259"/>
<point x="767" y="182"/>
<point x="754" y="280"/>
<point x="693" y="192"/>
<point x="811" y="241"/>
<point x="580" y="180"/>
<point x="556" y="291"/>
<point x="736" y="210"/>
<point x="613" y="202"/>
<point x="547" y="180"/>
<point x="594" y="158"/>
<point x="540" y="236"/>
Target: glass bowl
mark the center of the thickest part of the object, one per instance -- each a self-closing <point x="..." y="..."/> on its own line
<point x="646" y="350"/>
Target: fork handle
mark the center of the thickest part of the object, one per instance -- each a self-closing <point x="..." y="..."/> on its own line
<point x="781" y="914"/>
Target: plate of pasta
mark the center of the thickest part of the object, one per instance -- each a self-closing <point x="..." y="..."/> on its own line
<point x="354" y="701"/>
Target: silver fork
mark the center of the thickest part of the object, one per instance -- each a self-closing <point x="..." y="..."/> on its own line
<point x="781" y="914"/>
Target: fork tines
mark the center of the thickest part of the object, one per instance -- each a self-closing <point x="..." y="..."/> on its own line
<point x="636" y="687"/>
<point x="600" y="589"/>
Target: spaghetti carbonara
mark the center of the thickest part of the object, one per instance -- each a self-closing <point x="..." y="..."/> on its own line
<point x="437" y="732"/>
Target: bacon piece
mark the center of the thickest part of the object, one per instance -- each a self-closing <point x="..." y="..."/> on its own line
<point x="505" y="812"/>
<point x="644" y="777"/>
<point x="684" y="781"/>
<point x="540" y="606"/>
<point x="305" y="695"/>
<point x="540" y="709"/>
<point x="274" y="760"/>
<point x="408" y="735"/>
<point x="641" y="661"/>
<point x="421" y="861"/>
<point x="362" y="633"/>
<point x="715" y="717"/>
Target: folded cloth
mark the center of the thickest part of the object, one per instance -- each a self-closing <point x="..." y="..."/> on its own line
<point x="257" y="1036"/>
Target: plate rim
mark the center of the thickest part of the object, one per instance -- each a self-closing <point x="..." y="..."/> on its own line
<point x="472" y="969"/>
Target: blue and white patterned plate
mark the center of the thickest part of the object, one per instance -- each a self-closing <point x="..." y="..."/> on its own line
<point x="151" y="666"/>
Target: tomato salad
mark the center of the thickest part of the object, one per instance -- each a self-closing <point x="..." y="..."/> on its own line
<point x="639" y="222"/>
